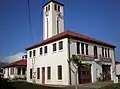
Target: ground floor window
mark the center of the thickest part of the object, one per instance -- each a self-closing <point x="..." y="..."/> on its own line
<point x="60" y="72"/>
<point x="31" y="73"/>
<point x="48" y="72"/>
<point x="19" y="71"/>
<point x="23" y="71"/>
<point x="12" y="70"/>
<point x="38" y="73"/>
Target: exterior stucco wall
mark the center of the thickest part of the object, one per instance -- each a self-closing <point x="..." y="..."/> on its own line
<point x="52" y="59"/>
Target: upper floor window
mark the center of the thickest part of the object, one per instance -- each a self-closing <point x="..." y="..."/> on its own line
<point x="95" y="52"/>
<point x="102" y="51"/>
<point x="12" y="70"/>
<point x="105" y="52"/>
<point x="54" y="47"/>
<point x="30" y="54"/>
<point x="49" y="7"/>
<point x="86" y="49"/>
<point x="58" y="8"/>
<point x="60" y="45"/>
<point x="34" y="52"/>
<point x="82" y="48"/>
<point x="45" y="49"/>
<point x="19" y="71"/>
<point x="41" y="51"/>
<point x="55" y="7"/>
<point x="23" y="71"/>
<point x="78" y="47"/>
<point x="108" y="53"/>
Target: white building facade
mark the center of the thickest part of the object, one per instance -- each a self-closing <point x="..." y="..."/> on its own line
<point x="48" y="60"/>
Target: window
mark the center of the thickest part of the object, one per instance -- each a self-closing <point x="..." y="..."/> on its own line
<point x="19" y="71"/>
<point x="59" y="72"/>
<point x="40" y="51"/>
<point x="30" y="73"/>
<point x="60" y="45"/>
<point x="82" y="48"/>
<point x="102" y="51"/>
<point x="34" y="52"/>
<point x="78" y="47"/>
<point x="49" y="7"/>
<point x="54" y="47"/>
<point x="46" y="8"/>
<point x="86" y="49"/>
<point x="48" y="72"/>
<point x="45" y="49"/>
<point x="30" y="54"/>
<point x="57" y="25"/>
<point x="95" y="52"/>
<point x="105" y="52"/>
<point x="59" y="8"/>
<point x="23" y="71"/>
<point x="47" y="27"/>
<point x="108" y="53"/>
<point x="55" y="7"/>
<point x="12" y="70"/>
<point x="38" y="73"/>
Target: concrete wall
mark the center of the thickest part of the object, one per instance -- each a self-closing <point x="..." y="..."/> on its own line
<point x="52" y="59"/>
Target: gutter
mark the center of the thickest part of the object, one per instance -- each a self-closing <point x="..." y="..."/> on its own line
<point x="69" y="60"/>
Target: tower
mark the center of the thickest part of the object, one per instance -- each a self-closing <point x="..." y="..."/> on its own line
<point x="53" y="18"/>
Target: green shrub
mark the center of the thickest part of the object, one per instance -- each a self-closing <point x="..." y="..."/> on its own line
<point x="111" y="86"/>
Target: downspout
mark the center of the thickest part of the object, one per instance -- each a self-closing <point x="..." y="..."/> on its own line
<point x="69" y="60"/>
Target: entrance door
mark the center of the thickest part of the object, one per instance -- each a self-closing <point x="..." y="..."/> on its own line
<point x="84" y="75"/>
<point x="43" y="75"/>
<point x="106" y="72"/>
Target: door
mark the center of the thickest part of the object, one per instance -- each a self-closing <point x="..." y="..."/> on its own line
<point x="106" y="72"/>
<point x="43" y="75"/>
<point x="84" y="75"/>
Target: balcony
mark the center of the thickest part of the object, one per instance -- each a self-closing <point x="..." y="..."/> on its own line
<point x="85" y="57"/>
<point x="101" y="58"/>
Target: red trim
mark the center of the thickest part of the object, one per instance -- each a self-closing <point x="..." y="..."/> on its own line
<point x="73" y="35"/>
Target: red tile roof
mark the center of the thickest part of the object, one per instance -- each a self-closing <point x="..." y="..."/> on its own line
<point x="22" y="62"/>
<point x="70" y="34"/>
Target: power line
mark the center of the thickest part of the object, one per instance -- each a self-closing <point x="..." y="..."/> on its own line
<point x="30" y="24"/>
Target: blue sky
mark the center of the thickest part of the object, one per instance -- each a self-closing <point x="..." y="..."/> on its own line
<point x="99" y="19"/>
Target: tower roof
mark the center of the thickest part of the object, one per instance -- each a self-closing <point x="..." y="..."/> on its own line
<point x="54" y="1"/>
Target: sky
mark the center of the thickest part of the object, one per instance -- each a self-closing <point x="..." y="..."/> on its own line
<point x="99" y="19"/>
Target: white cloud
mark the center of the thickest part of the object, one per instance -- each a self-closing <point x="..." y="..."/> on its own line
<point x="12" y="58"/>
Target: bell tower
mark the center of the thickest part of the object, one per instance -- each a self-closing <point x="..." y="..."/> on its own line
<point x="53" y="18"/>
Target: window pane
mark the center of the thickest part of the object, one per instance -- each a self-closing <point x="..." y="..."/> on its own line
<point x="60" y="45"/>
<point x="48" y="72"/>
<point x="59" y="72"/>
<point x="82" y="48"/>
<point x="30" y="54"/>
<point x="86" y="49"/>
<point x="59" y="8"/>
<point x="78" y="47"/>
<point x="102" y="51"/>
<point x="55" y="7"/>
<point x="38" y="73"/>
<point x="23" y="71"/>
<point x="45" y="49"/>
<point x="40" y="51"/>
<point x="34" y="53"/>
<point x="30" y="73"/>
<point x="19" y="71"/>
<point x="54" y="47"/>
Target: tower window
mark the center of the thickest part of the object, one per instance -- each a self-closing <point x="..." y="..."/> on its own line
<point x="49" y="7"/>
<point x="57" y="25"/>
<point x="55" y="7"/>
<point x="59" y="8"/>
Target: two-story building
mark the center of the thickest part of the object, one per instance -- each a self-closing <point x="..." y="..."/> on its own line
<point x="48" y="60"/>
